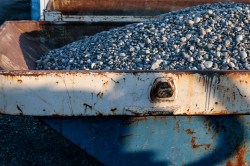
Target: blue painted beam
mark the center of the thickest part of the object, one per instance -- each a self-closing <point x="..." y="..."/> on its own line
<point x="35" y="10"/>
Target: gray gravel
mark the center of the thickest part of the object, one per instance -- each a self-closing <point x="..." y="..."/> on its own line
<point x="207" y="37"/>
<point x="26" y="141"/>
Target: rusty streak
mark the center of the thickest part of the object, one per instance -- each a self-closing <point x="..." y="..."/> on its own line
<point x="177" y="126"/>
<point x="100" y="95"/>
<point x="195" y="146"/>
<point x="99" y="114"/>
<point x="87" y="106"/>
<point x="125" y="136"/>
<point x="216" y="132"/>
<point x="105" y="84"/>
<point x="21" y="111"/>
<point x="239" y="159"/>
<point x="189" y="118"/>
<point x="240" y="93"/>
<point x="117" y="82"/>
<point x="134" y="120"/>
<point x="189" y="131"/>
<point x="113" y="110"/>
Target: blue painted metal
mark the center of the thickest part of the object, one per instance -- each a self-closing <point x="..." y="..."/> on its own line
<point x="35" y="10"/>
<point x="160" y="140"/>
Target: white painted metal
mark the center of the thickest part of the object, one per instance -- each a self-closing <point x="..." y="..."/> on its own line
<point x="112" y="93"/>
<point x="58" y="16"/>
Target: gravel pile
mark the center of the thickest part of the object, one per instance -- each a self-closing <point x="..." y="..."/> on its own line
<point x="206" y="37"/>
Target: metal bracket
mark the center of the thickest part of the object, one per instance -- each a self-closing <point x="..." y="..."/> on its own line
<point x="163" y="89"/>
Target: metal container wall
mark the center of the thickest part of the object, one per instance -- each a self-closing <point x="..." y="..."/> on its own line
<point x="160" y="140"/>
<point x="123" y="140"/>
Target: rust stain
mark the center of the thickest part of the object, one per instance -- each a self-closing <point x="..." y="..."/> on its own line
<point x="160" y="117"/>
<point x="125" y="136"/>
<point x="105" y="84"/>
<point x="134" y="120"/>
<point x="153" y="132"/>
<point x="189" y="118"/>
<point x="87" y="106"/>
<point x="195" y="146"/>
<point x="113" y="110"/>
<point x="216" y="112"/>
<point x="229" y="163"/>
<point x="239" y="159"/>
<point x="189" y="131"/>
<point x="91" y="107"/>
<point x="58" y="115"/>
<point x="215" y="132"/>
<point x="100" y="95"/>
<point x="177" y="126"/>
<point x="209" y="126"/>
<point x="99" y="114"/>
<point x="221" y="112"/>
<point x="20" y="81"/>
<point x="234" y="95"/>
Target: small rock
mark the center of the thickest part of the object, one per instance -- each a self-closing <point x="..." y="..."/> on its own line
<point x="239" y="38"/>
<point x="122" y="54"/>
<point x="210" y="12"/>
<point x="190" y="59"/>
<point x="231" y="64"/>
<point x="156" y="64"/>
<point x="202" y="32"/>
<point x="208" y="64"/>
<point x="243" y="54"/>
<point x="197" y="19"/>
<point x="190" y="22"/>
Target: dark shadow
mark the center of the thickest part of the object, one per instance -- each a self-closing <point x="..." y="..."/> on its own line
<point x="46" y="36"/>
<point x="15" y="10"/>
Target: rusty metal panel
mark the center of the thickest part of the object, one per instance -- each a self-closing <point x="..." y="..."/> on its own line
<point x="77" y="6"/>
<point x="115" y="10"/>
<point x="95" y="93"/>
<point x="160" y="140"/>
<point x="23" y="42"/>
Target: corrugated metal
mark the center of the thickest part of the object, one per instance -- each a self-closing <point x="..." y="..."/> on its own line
<point x="160" y="140"/>
<point x="92" y="93"/>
